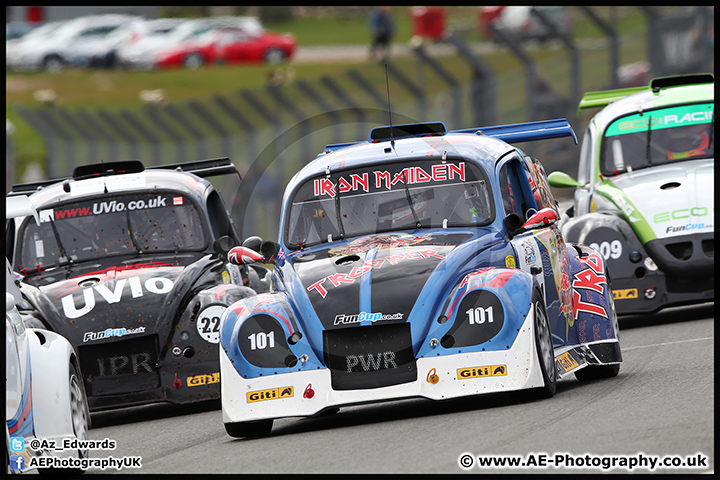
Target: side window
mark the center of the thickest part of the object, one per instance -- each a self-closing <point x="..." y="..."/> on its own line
<point x="515" y="189"/>
<point x="541" y="190"/>
<point x="219" y="223"/>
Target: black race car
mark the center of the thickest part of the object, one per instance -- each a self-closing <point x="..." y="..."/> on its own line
<point x="130" y="264"/>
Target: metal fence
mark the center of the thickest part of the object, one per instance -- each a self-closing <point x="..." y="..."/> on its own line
<point x="271" y="132"/>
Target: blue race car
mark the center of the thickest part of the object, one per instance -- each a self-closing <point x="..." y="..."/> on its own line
<point x="421" y="263"/>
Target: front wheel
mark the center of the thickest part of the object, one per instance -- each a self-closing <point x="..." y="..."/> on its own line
<point x="274" y="56"/>
<point x="255" y="429"/>
<point x="545" y="351"/>
<point x="79" y="416"/>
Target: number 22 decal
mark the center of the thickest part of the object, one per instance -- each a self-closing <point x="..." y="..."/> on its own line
<point x="208" y="323"/>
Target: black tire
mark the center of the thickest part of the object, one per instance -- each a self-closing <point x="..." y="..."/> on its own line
<point x="193" y="61"/>
<point x="53" y="63"/>
<point x="256" y="429"/>
<point x="274" y="56"/>
<point x="78" y="405"/>
<point x="545" y="351"/>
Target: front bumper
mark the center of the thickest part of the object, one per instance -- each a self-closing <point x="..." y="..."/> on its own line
<point x="662" y="292"/>
<point x="438" y="378"/>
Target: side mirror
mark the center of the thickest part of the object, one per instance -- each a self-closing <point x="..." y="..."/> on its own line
<point x="562" y="180"/>
<point x="222" y="246"/>
<point x="9" y="301"/>
<point x="513" y="223"/>
<point x="253" y="243"/>
<point x="543" y="218"/>
<point x="243" y="256"/>
<point x="270" y="249"/>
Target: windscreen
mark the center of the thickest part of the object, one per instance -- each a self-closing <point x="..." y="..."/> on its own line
<point x="115" y="225"/>
<point x="657" y="137"/>
<point x="388" y="197"/>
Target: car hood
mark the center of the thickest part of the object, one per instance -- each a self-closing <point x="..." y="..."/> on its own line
<point x="384" y="278"/>
<point x="672" y="196"/>
<point x="139" y="298"/>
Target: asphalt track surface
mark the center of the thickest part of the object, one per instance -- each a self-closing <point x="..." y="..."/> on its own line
<point x="661" y="404"/>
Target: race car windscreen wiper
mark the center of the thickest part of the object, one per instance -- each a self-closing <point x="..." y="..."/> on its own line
<point x="130" y="232"/>
<point x="337" y="206"/>
<point x="410" y="202"/>
<point x="63" y="253"/>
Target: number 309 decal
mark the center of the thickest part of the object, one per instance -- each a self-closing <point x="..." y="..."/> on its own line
<point x="609" y="249"/>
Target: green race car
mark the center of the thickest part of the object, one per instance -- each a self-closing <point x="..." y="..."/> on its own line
<point x="644" y="196"/>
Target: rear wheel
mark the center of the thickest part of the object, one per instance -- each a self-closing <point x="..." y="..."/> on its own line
<point x="545" y="351"/>
<point x="256" y="429"/>
<point x="193" y="61"/>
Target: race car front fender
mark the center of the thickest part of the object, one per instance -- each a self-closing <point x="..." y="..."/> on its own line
<point x="50" y="359"/>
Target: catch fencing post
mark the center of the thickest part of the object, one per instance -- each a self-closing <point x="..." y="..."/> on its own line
<point x="614" y="44"/>
<point x="448" y="78"/>
<point x="344" y="98"/>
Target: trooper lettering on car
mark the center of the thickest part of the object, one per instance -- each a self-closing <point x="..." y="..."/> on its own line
<point x="156" y="285"/>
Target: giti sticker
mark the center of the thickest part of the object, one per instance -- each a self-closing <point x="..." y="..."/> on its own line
<point x="205" y="379"/>
<point x="510" y="261"/>
<point x="485" y="371"/>
<point x="271" y="394"/>
<point x="625" y="294"/>
<point x="567" y="361"/>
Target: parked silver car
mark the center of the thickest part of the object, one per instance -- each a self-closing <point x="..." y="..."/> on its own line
<point x="65" y="44"/>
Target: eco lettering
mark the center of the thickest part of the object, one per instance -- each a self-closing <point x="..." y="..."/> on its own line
<point x="680" y="214"/>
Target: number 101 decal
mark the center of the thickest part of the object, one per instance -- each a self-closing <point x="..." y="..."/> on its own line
<point x="478" y="315"/>
<point x="260" y="340"/>
<point x="208" y="323"/>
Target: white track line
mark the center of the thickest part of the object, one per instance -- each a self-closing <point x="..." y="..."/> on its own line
<point x="624" y="349"/>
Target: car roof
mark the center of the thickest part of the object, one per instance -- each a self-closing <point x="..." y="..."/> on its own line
<point x="432" y="139"/>
<point x="646" y="99"/>
<point x="150" y="179"/>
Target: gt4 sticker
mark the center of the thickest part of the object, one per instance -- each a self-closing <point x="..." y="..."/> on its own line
<point x="483" y="371"/>
<point x="208" y="323"/>
<point x="204" y="379"/>
<point x="270" y="394"/>
<point x="625" y="294"/>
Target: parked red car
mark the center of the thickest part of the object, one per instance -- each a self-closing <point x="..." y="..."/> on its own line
<point x="229" y="45"/>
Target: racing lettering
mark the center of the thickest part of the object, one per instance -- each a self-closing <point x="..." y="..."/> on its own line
<point x="367" y="267"/>
<point x="590" y="280"/>
<point x="74" y="212"/>
<point x="157" y="285"/>
<point x="386" y="180"/>
<point x="587" y="307"/>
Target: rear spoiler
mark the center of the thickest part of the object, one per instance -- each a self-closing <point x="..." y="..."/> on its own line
<point x="526" y="132"/>
<point x="201" y="168"/>
<point x="603" y="98"/>
<point x="514" y="133"/>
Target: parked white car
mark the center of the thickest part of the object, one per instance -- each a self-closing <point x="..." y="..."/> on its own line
<point x="44" y="394"/>
<point x="68" y="44"/>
